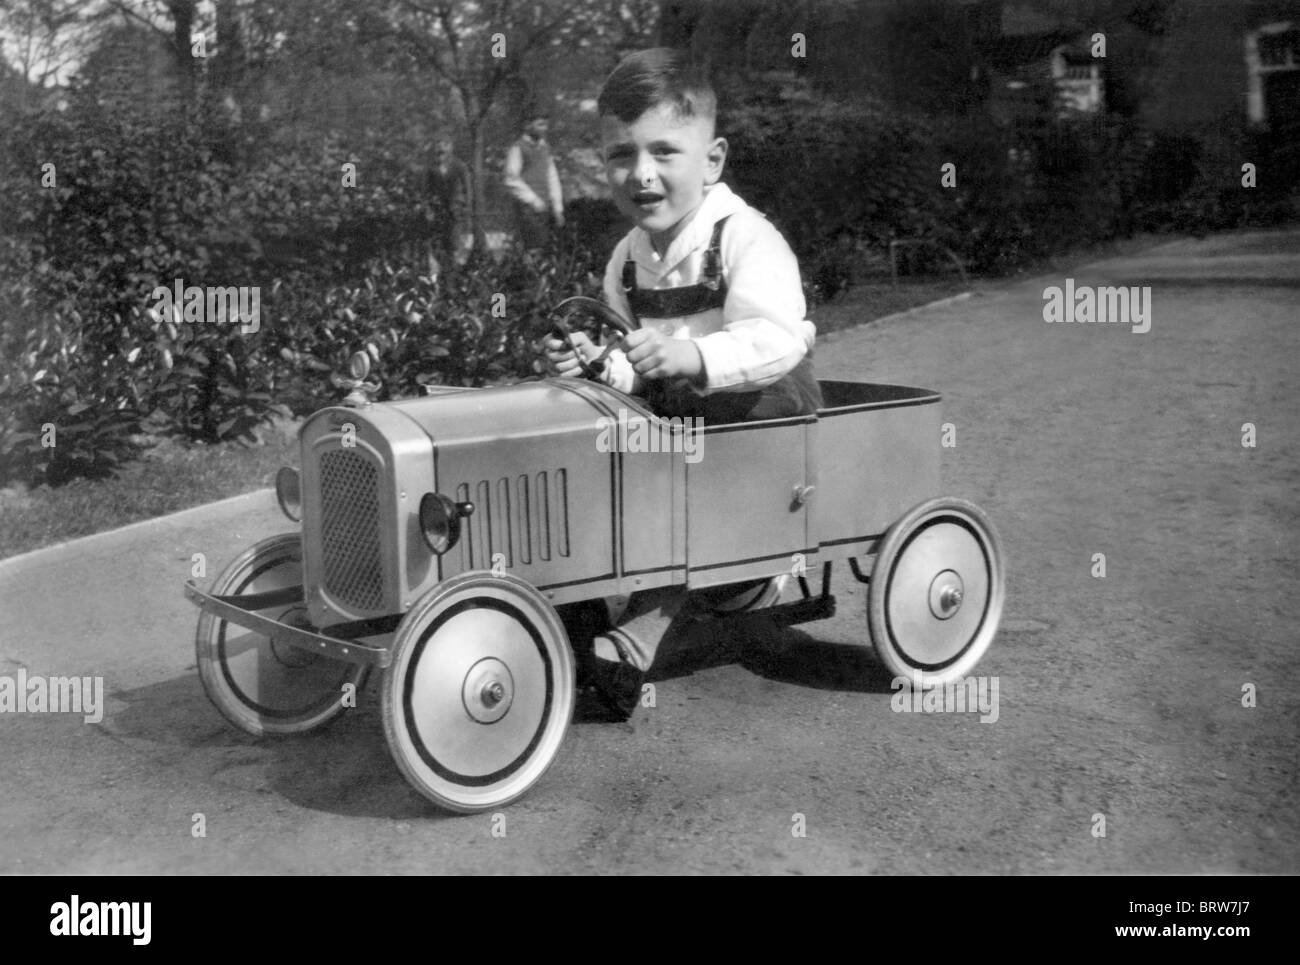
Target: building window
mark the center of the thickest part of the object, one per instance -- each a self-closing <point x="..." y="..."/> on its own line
<point x="1280" y="49"/>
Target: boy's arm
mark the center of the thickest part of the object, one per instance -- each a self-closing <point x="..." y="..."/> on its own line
<point x="514" y="181"/>
<point x="619" y="372"/>
<point x="557" y="191"/>
<point x="765" y="333"/>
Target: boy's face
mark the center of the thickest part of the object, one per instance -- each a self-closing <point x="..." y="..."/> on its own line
<point x="658" y="167"/>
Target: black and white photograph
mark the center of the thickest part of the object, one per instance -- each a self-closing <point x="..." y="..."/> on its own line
<point x="651" y="437"/>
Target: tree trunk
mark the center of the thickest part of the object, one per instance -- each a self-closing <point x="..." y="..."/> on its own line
<point x="182" y="12"/>
<point x="477" y="193"/>
<point x="228" y="65"/>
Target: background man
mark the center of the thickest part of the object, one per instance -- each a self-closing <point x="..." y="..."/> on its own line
<point x="447" y="184"/>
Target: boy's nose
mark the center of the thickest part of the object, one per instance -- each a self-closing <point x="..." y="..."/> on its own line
<point x="645" y="171"/>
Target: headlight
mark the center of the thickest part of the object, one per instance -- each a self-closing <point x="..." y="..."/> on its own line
<point x="288" y="491"/>
<point x="440" y="521"/>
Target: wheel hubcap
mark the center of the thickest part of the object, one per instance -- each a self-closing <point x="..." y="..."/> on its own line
<point x="488" y="690"/>
<point x="938" y="592"/>
<point x="478" y="692"/>
<point x="946" y="594"/>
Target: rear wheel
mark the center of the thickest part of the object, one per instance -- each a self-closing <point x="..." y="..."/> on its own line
<point x="936" y="592"/>
<point x="259" y="686"/>
<point x="480" y="691"/>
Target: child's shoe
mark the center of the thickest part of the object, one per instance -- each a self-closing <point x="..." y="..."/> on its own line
<point x="618" y="687"/>
<point x="614" y="684"/>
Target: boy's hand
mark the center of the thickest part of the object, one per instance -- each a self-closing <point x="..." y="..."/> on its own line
<point x="556" y="358"/>
<point x="655" y="355"/>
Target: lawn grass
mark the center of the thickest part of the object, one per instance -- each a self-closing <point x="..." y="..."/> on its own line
<point x="167" y="478"/>
<point x="866" y="303"/>
<point x="174" y="476"/>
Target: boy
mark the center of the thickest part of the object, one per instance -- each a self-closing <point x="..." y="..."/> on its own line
<point x="534" y="184"/>
<point x="715" y="289"/>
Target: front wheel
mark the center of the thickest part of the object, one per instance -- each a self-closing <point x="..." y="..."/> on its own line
<point x="480" y="691"/>
<point x="265" y="688"/>
<point x="936" y="592"/>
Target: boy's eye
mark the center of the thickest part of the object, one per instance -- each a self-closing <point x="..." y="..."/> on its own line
<point x="617" y="154"/>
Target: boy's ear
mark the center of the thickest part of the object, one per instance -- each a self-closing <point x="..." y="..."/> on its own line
<point x="715" y="159"/>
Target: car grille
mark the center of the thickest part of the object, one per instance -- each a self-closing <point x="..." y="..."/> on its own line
<point x="350" y="529"/>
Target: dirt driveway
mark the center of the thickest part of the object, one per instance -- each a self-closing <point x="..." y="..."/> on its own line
<point x="1120" y="697"/>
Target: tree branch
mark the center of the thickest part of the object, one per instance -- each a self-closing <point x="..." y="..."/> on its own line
<point x="123" y="8"/>
<point x="453" y="39"/>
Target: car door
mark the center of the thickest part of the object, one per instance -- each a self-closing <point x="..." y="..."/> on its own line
<point x="745" y="516"/>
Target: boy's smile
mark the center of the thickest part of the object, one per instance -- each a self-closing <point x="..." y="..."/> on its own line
<point x="658" y="167"/>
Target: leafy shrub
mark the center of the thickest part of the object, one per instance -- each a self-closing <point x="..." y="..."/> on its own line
<point x="140" y="202"/>
<point x="833" y="175"/>
<point x="838" y="178"/>
<point x="1212" y="197"/>
<point x="469" y="326"/>
<point x="53" y="424"/>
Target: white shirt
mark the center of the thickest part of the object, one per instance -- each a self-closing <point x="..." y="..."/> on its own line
<point x="517" y="175"/>
<point x="759" y="334"/>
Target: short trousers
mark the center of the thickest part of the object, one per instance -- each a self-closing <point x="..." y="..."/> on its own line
<point x="795" y="393"/>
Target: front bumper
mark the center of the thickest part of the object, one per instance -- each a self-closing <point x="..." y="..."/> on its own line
<point x="341" y="643"/>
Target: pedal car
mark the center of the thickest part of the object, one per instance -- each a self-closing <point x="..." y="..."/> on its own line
<point x="441" y="540"/>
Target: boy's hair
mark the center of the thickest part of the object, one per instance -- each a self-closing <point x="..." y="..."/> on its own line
<point x="648" y="78"/>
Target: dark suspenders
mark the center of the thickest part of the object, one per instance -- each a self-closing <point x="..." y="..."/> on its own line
<point x="711" y="292"/>
<point x="797" y="393"/>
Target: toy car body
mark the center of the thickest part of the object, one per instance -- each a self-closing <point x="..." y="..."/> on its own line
<point x="439" y="536"/>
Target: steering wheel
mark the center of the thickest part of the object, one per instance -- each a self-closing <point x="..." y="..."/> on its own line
<point x="606" y="318"/>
